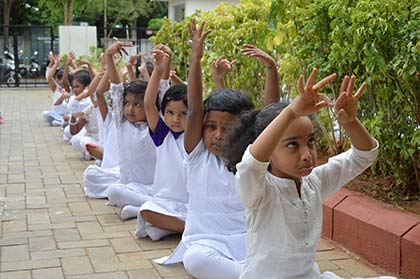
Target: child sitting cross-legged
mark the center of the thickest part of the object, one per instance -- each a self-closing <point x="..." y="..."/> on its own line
<point x="166" y="212"/>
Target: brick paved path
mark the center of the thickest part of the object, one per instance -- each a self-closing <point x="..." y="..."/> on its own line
<point x="49" y="229"/>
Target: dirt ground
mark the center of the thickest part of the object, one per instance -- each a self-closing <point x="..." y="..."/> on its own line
<point x="380" y="189"/>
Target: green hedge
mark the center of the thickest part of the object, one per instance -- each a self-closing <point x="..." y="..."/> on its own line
<point x="376" y="40"/>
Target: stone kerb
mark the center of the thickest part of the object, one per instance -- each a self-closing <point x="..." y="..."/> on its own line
<point x="383" y="235"/>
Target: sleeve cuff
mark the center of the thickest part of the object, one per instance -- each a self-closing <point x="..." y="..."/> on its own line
<point x="373" y="153"/>
<point x="250" y="160"/>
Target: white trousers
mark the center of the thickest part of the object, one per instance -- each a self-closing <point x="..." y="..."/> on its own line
<point x="330" y="275"/>
<point x="205" y="262"/>
<point x="129" y="194"/>
<point x="97" y="180"/>
<point x="75" y="140"/>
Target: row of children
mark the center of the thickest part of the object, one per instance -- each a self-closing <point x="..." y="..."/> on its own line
<point x="240" y="184"/>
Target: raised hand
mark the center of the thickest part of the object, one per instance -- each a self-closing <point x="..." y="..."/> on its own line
<point x="175" y="79"/>
<point x="220" y="66"/>
<point x="117" y="47"/>
<point x="160" y="59"/>
<point x="346" y="104"/>
<point x="261" y="56"/>
<point x="165" y="49"/>
<point x="56" y="59"/>
<point x="81" y="62"/>
<point x="197" y="37"/>
<point x="70" y="58"/>
<point x="309" y="100"/>
<point x="133" y="60"/>
<point x="51" y="56"/>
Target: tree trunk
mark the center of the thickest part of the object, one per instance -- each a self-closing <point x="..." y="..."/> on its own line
<point x="7" y="5"/>
<point x="65" y="13"/>
<point x="68" y="11"/>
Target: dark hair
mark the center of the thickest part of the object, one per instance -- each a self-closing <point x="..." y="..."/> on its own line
<point x="251" y="124"/>
<point x="59" y="74"/>
<point x="83" y="77"/>
<point x="136" y="87"/>
<point x="228" y="100"/>
<point x="177" y="92"/>
<point x="149" y="67"/>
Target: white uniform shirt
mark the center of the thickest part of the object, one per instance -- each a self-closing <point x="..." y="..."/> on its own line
<point x="111" y="156"/>
<point x="216" y="215"/>
<point x="62" y="108"/>
<point x="170" y="176"/>
<point x="283" y="229"/>
<point x="76" y="105"/>
<point x="137" y="151"/>
<point x="91" y="126"/>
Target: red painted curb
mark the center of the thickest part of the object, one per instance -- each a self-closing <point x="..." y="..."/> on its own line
<point x="410" y="253"/>
<point x="328" y="209"/>
<point x="376" y="231"/>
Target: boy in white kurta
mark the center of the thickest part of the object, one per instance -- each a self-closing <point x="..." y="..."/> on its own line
<point x="281" y="187"/>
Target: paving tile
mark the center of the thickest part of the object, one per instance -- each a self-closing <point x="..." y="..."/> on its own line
<point x="16" y="275"/>
<point x="38" y="218"/>
<point x="66" y="234"/>
<point x="167" y="242"/>
<point x="67" y="225"/>
<point x="104" y="259"/>
<point x="170" y="270"/>
<point x="14" y="226"/>
<point x="39" y="244"/>
<point x="124" y="245"/>
<point x="28" y="265"/>
<point x="327" y="265"/>
<point x="89" y="227"/>
<point x="26" y="234"/>
<point x="13" y="241"/>
<point x="14" y="253"/>
<point x="108" y="275"/>
<point x="76" y="265"/>
<point x="355" y="268"/>
<point x="79" y="206"/>
<point x="105" y="235"/>
<point x="108" y="220"/>
<point x="144" y="274"/>
<point x="47" y="273"/>
<point x="83" y="243"/>
<point x="53" y="254"/>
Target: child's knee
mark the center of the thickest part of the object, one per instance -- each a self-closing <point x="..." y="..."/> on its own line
<point x="114" y="193"/>
<point x="198" y="259"/>
<point x="148" y="216"/>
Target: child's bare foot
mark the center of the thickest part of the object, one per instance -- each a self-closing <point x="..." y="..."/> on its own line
<point x="95" y="151"/>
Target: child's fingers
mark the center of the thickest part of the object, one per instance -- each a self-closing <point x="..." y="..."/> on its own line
<point x="324" y="81"/>
<point x="201" y="28"/>
<point x="344" y="84"/>
<point x="350" y="86"/>
<point x="248" y="46"/>
<point x="220" y="58"/>
<point x="360" y="91"/>
<point x="190" y="32"/>
<point x="321" y="105"/>
<point x="310" y="81"/>
<point x="300" y="85"/>
<point x="324" y="99"/>
<point x="206" y="34"/>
